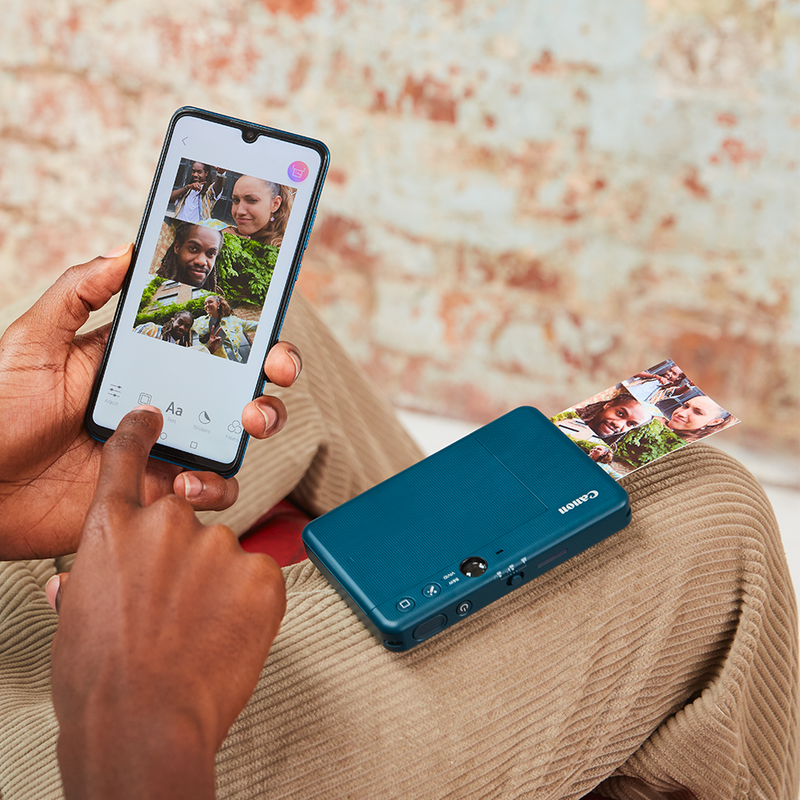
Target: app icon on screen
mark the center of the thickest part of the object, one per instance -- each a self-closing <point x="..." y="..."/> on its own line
<point x="298" y="171"/>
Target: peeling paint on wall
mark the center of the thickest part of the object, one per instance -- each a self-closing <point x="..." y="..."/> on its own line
<point x="527" y="199"/>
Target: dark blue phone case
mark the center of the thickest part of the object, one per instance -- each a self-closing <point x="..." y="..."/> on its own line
<point x="516" y="495"/>
<point x="184" y="458"/>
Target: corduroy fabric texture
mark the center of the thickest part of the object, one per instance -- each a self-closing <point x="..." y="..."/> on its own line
<point x="661" y="663"/>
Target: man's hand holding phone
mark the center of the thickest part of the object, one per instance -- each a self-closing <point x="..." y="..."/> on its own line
<point x="164" y="628"/>
<point x="49" y="463"/>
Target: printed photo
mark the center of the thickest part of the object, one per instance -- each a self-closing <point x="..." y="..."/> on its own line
<point x="660" y="383"/>
<point x="216" y="252"/>
<point x="647" y="416"/>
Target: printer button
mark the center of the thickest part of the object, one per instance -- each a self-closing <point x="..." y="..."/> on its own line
<point x="406" y="604"/>
<point x="463" y="608"/>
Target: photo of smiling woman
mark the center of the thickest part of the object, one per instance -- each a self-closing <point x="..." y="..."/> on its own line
<point x="221" y="332"/>
<point x="697" y="417"/>
<point x="260" y="210"/>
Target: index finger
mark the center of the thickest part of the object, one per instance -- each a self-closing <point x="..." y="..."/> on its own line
<point x="125" y="455"/>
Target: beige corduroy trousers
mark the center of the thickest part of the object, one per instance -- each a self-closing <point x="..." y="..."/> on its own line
<point x="661" y="663"/>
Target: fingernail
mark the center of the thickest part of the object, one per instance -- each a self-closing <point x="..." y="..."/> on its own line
<point x="118" y="251"/>
<point x="270" y="416"/>
<point x="192" y="485"/>
<point x="51" y="591"/>
<point x="298" y="364"/>
<point x="147" y="408"/>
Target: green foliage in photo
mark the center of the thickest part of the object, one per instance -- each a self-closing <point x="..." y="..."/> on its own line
<point x="244" y="269"/>
<point x="587" y="444"/>
<point x="647" y="443"/>
<point x="161" y="314"/>
<point x="149" y="291"/>
<point x="564" y="415"/>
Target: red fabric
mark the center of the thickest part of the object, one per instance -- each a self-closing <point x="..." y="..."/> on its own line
<point x="278" y="534"/>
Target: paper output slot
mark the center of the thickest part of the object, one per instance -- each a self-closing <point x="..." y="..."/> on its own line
<point x="552" y="558"/>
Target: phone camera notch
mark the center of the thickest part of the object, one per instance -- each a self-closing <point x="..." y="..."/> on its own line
<point x="249" y="135"/>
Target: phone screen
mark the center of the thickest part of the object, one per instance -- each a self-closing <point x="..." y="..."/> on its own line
<point x="216" y="258"/>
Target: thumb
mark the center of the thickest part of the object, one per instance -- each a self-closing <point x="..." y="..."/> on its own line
<point x="54" y="590"/>
<point x="66" y="305"/>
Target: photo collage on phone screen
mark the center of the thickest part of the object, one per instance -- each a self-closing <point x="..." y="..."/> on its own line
<point x="643" y="418"/>
<point x="214" y="260"/>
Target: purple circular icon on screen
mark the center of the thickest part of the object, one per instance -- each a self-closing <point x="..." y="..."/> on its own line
<point x="298" y="171"/>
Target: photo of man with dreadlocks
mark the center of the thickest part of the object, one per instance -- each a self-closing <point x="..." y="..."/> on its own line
<point x="226" y="257"/>
<point x="191" y="259"/>
<point x="177" y="329"/>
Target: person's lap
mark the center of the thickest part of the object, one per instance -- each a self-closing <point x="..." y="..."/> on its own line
<point x="667" y="653"/>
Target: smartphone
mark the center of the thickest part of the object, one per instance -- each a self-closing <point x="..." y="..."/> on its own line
<point x="214" y="264"/>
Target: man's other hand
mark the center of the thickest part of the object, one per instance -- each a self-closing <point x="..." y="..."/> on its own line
<point x="164" y="628"/>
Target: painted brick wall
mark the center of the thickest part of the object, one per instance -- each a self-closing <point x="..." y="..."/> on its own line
<point x="528" y="200"/>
